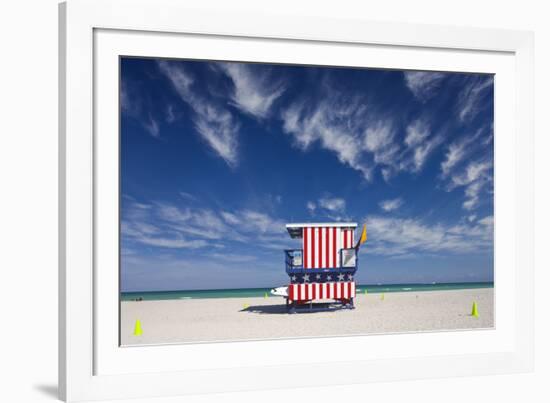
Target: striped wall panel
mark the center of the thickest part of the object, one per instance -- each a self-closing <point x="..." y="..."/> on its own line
<point x="321" y="246"/>
<point x="312" y="291"/>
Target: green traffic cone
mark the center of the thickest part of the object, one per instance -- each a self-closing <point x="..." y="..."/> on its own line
<point x="365" y="291"/>
<point x="474" y="310"/>
<point x="382" y="297"/>
<point x="265" y="295"/>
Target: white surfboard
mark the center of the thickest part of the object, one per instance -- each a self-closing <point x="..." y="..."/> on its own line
<point x="280" y="291"/>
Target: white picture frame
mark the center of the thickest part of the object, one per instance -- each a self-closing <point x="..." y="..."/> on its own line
<point x="91" y="364"/>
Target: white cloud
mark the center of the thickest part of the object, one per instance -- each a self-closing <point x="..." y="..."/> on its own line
<point x="333" y="208"/>
<point x="423" y="151"/>
<point x="458" y="150"/>
<point x="333" y="204"/>
<point x="474" y="171"/>
<point x="474" y="179"/>
<point x="336" y="123"/>
<point x="170" y="114"/>
<point x="255" y="89"/>
<point x="166" y="225"/>
<point x="396" y="236"/>
<point x="391" y="205"/>
<point x="488" y="221"/>
<point x="187" y="196"/>
<point x="125" y="100"/>
<point x="230" y="218"/>
<point x="423" y="84"/>
<point x="358" y="135"/>
<point x="258" y="222"/>
<point x="380" y="141"/>
<point x="472" y="192"/>
<point x="311" y="206"/>
<point x="213" y="122"/>
<point x="133" y="106"/>
<point x="417" y="132"/>
<point x="178" y="243"/>
<point x="469" y="100"/>
<point x="379" y="136"/>
<point x="476" y="176"/>
<point x="455" y="154"/>
<point x="420" y="143"/>
<point x="152" y="127"/>
<point x="220" y="132"/>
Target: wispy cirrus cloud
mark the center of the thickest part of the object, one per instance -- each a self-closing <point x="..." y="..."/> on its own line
<point x="216" y="125"/>
<point x="334" y="204"/>
<point x="166" y="225"/>
<point x="410" y="236"/>
<point x="335" y="123"/>
<point x="391" y="204"/>
<point x="455" y="153"/>
<point x="470" y="99"/>
<point x="423" y="84"/>
<point x="138" y="226"/>
<point x="152" y="126"/>
<point x="179" y="243"/>
<point x="417" y="139"/>
<point x="170" y="113"/>
<point x="330" y="207"/>
<point x="361" y="139"/>
<point x="458" y="150"/>
<point x="475" y="178"/>
<point x="134" y="106"/>
<point x="311" y="207"/>
<point x="380" y="141"/>
<point x="255" y="89"/>
<point x="420" y="143"/>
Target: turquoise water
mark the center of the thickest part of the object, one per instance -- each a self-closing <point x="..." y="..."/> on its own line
<point x="260" y="292"/>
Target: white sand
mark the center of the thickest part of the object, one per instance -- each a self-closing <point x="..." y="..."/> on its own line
<point x="176" y="321"/>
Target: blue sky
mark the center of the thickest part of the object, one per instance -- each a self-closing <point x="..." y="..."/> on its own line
<point x="217" y="157"/>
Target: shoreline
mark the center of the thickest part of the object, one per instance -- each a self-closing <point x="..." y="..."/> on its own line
<point x="255" y="318"/>
<point x="260" y="291"/>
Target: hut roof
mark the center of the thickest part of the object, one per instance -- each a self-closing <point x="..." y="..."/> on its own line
<point x="295" y="229"/>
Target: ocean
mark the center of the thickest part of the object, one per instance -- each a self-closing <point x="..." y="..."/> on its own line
<point x="261" y="292"/>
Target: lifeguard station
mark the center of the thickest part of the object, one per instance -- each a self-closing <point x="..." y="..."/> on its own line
<point x="324" y="268"/>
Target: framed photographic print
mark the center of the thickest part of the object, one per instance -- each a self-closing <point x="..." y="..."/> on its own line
<point x="241" y="182"/>
<point x="236" y="198"/>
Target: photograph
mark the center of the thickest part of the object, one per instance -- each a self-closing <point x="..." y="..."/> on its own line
<point x="263" y="201"/>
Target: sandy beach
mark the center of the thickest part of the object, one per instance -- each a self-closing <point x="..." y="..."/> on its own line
<point x="217" y="319"/>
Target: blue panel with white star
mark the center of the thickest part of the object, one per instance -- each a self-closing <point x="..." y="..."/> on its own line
<point x="319" y="278"/>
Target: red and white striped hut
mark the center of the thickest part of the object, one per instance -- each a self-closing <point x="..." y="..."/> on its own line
<point x="325" y="265"/>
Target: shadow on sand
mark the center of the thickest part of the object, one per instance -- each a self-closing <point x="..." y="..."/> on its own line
<point x="266" y="309"/>
<point x="280" y="309"/>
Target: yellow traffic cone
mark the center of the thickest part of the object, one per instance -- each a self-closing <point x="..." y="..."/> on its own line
<point x="245" y="306"/>
<point x="365" y="291"/>
<point x="382" y="297"/>
<point x="474" y="310"/>
<point x="265" y="295"/>
<point x="137" y="328"/>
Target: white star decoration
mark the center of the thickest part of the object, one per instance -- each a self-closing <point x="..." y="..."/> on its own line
<point x="306" y="278"/>
<point x="329" y="278"/>
<point x="318" y="277"/>
<point x="350" y="277"/>
<point x="340" y="277"/>
<point x="293" y="278"/>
